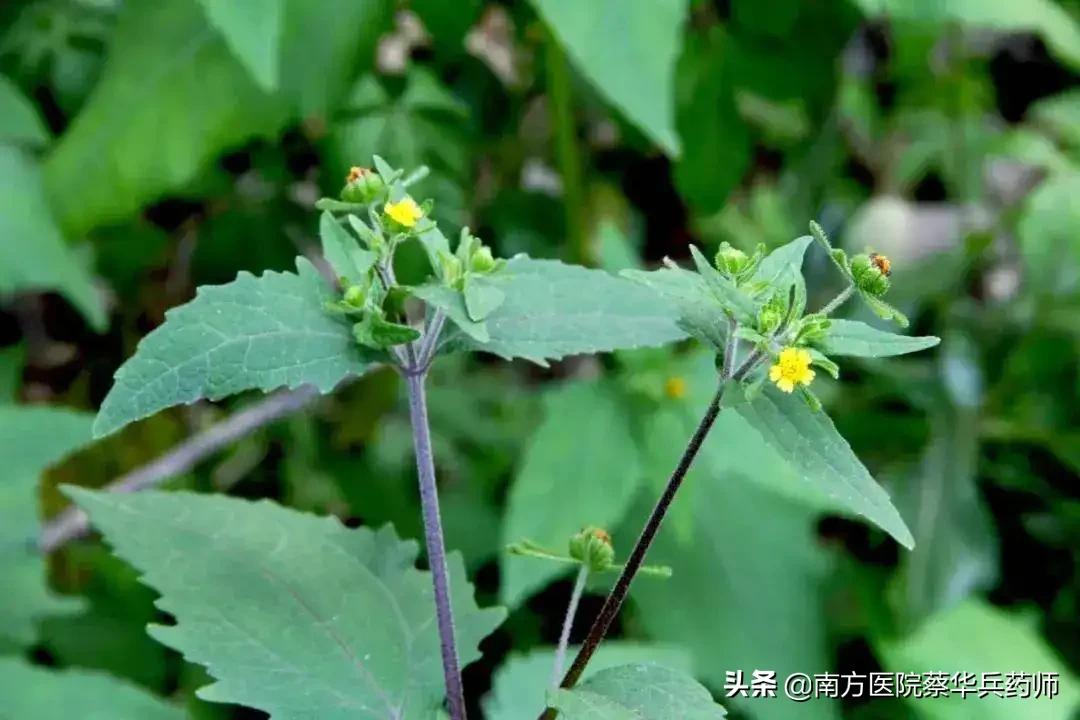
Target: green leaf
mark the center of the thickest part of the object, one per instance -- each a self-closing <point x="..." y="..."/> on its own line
<point x="28" y="691"/>
<point x="784" y="262"/>
<point x="699" y="310"/>
<point x="553" y="310"/>
<point x="135" y="139"/>
<point x="324" y="45"/>
<point x="33" y="254"/>
<point x="481" y="297"/>
<point x="716" y="137"/>
<point x="19" y="120"/>
<point x="956" y="551"/>
<point x="252" y="31"/>
<point x="375" y="331"/>
<point x="628" y="50"/>
<point x="637" y="692"/>
<point x="1048" y="231"/>
<point x="343" y="252"/>
<point x="31" y="439"/>
<point x="452" y="303"/>
<point x="751" y="566"/>
<point x="1044" y="17"/>
<point x="292" y="614"/>
<point x="809" y="441"/>
<point x="977" y="638"/>
<point x="584" y="435"/>
<point x="253" y="333"/>
<point x="1060" y="116"/>
<point x="518" y="690"/>
<point x="857" y="339"/>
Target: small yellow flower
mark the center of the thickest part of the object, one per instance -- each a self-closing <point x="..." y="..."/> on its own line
<point x="675" y="387"/>
<point x="404" y="212"/>
<point x="792" y="367"/>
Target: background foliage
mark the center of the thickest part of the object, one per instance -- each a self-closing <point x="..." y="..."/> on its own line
<point x="149" y="146"/>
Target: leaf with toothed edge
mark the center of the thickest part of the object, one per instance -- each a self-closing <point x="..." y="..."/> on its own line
<point x="255" y="333"/>
<point x="807" y="440"/>
<point x="552" y="310"/>
<point x="292" y="614"/>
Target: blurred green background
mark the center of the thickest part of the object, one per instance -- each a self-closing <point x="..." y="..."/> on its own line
<point x="150" y="146"/>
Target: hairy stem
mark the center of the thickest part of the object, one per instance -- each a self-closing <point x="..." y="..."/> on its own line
<point x="568" y="623"/>
<point x="567" y="150"/>
<point x="433" y="536"/>
<point x="837" y="301"/>
<point x="615" y="599"/>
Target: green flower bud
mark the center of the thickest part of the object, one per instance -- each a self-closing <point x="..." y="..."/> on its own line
<point x="482" y="261"/>
<point x="871" y="273"/>
<point x="362" y="186"/>
<point x="730" y="260"/>
<point x="452" y="268"/>
<point x="592" y="547"/>
<point x="771" y="315"/>
<point x="355" y="296"/>
<point x="812" y="329"/>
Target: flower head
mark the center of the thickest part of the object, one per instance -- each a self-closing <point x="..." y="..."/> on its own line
<point x="791" y="368"/>
<point x="404" y="212"/>
<point x="675" y="387"/>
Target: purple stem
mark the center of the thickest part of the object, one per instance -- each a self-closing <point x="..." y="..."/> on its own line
<point x="436" y="549"/>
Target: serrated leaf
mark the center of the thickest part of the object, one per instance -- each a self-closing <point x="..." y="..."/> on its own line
<point x="33" y="253"/>
<point x="343" y="252"/>
<point x="553" y="310"/>
<point x="452" y="303"/>
<point x="628" y="50"/>
<point x="637" y="692"/>
<point x="699" y="311"/>
<point x="253" y="33"/>
<point x="379" y="333"/>
<point x="255" y="333"/>
<point x="811" y="444"/>
<point x="19" y="120"/>
<point x="31" y="439"/>
<point x="28" y="691"/>
<point x="481" y="297"/>
<point x="993" y="641"/>
<point x="550" y="499"/>
<point x="292" y="614"/>
<point x="521" y="682"/>
<point x="857" y="339"/>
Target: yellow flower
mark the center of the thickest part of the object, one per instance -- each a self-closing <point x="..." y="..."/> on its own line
<point x="675" y="387"/>
<point x="404" y="212"/>
<point x="792" y="367"/>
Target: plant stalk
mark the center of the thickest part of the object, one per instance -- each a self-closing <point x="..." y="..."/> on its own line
<point x="837" y="301"/>
<point x="436" y="549"/>
<point x="567" y="150"/>
<point x="568" y="623"/>
<point x="615" y="599"/>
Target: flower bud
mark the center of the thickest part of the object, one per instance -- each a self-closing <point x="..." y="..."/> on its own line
<point x="362" y="186"/>
<point x="452" y="268"/>
<point x="730" y="260"/>
<point x="592" y="547"/>
<point x="871" y="273"/>
<point x="771" y="315"/>
<point x="355" y="296"/>
<point x="482" y="261"/>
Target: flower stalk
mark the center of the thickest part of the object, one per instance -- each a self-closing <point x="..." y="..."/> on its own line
<point x="568" y="624"/>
